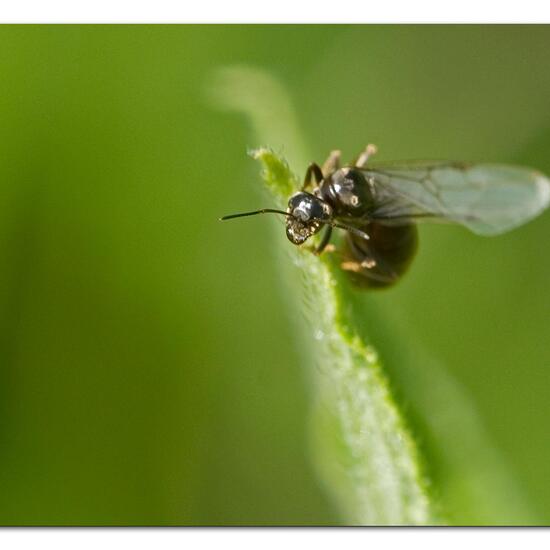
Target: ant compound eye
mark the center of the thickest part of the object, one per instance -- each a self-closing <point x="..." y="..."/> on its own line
<point x="301" y="206"/>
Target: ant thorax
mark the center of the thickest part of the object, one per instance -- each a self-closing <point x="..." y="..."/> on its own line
<point x="348" y="192"/>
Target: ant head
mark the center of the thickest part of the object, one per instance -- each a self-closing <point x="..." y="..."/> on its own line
<point x="306" y="215"/>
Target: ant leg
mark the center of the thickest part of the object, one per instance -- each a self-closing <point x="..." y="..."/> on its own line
<point x="357" y="267"/>
<point x="367" y="269"/>
<point x="332" y="163"/>
<point x="363" y="158"/>
<point x="324" y="241"/>
<point x="313" y="171"/>
<point x="369" y="265"/>
<point x="365" y="259"/>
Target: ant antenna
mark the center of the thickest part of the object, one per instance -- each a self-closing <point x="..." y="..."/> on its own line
<point x="353" y="230"/>
<point x="349" y="228"/>
<point x="262" y="211"/>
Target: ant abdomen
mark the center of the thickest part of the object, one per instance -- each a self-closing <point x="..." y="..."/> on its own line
<point x="384" y="258"/>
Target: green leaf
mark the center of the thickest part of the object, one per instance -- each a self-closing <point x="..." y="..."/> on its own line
<point x="362" y="447"/>
<point x="364" y="450"/>
<point x="276" y="174"/>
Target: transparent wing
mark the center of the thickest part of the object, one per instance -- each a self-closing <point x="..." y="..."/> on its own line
<point x="486" y="198"/>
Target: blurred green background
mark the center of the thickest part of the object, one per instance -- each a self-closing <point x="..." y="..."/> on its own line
<point x="148" y="370"/>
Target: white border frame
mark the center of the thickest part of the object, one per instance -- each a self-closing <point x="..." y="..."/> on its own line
<point x="279" y="11"/>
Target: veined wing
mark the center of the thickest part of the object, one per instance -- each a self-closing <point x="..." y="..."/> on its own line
<point x="488" y="199"/>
